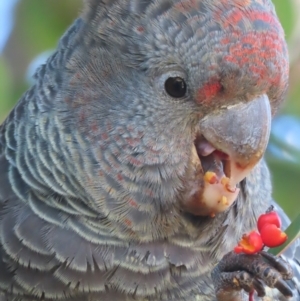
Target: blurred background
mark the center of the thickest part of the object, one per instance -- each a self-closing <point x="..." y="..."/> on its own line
<point x="29" y="32"/>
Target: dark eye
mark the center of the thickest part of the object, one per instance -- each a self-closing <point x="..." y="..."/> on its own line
<point x="175" y="87"/>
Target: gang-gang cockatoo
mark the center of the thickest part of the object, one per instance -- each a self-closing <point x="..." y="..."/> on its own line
<point x="133" y="166"/>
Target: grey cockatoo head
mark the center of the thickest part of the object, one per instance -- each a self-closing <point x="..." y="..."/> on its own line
<point x="160" y="92"/>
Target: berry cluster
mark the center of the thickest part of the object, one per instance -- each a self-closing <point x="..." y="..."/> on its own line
<point x="269" y="234"/>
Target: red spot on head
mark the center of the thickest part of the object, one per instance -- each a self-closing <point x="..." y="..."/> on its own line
<point x="233" y="19"/>
<point x="237" y="15"/>
<point x="225" y="41"/>
<point x="258" y="51"/>
<point x="209" y="91"/>
<point x="255" y="40"/>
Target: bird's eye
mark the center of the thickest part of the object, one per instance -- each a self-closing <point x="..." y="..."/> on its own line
<point x="175" y="87"/>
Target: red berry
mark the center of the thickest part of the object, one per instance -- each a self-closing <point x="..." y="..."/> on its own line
<point x="238" y="249"/>
<point x="268" y="218"/>
<point x="272" y="236"/>
<point x="250" y="243"/>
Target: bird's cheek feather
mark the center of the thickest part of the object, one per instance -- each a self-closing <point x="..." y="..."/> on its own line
<point x="229" y="144"/>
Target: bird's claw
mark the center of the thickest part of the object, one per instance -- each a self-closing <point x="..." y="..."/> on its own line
<point x="236" y="272"/>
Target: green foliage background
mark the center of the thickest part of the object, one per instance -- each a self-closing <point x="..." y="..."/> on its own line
<point x="39" y="24"/>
